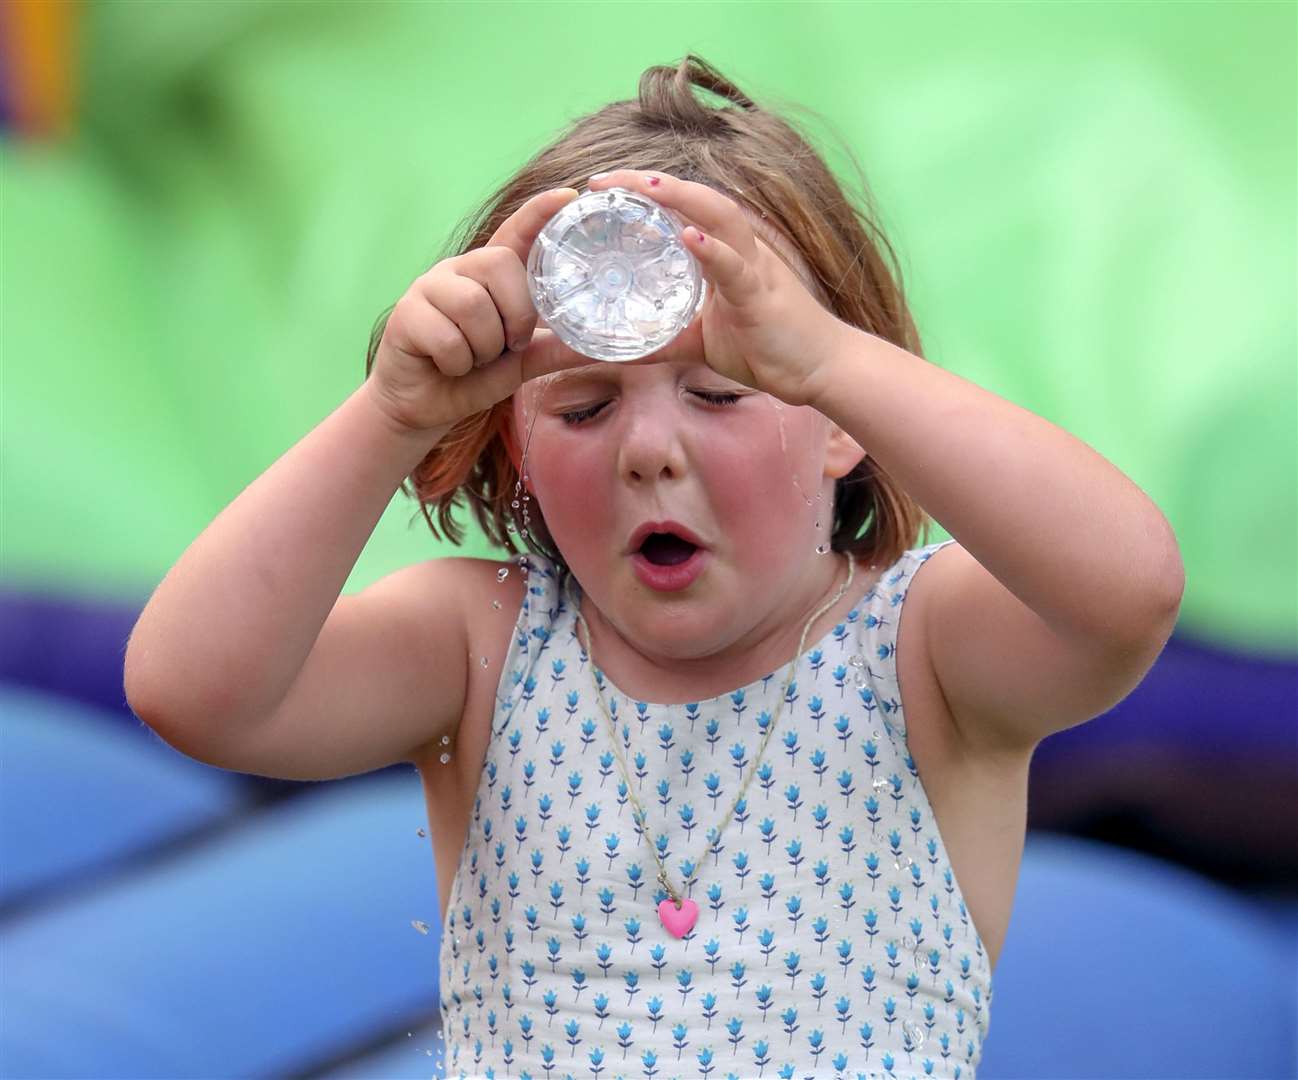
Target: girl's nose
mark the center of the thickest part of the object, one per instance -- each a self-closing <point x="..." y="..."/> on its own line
<point x="652" y="442"/>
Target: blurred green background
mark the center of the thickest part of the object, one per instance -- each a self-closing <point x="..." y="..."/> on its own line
<point x="1094" y="205"/>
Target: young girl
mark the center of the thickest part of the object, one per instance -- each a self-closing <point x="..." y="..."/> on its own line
<point x="726" y="776"/>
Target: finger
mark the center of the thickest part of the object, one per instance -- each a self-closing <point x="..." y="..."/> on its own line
<point x="546" y="353"/>
<point x="732" y="277"/>
<point x="519" y="231"/>
<point x="424" y="331"/>
<point x="467" y="303"/>
<point x="716" y="214"/>
<point x="498" y="270"/>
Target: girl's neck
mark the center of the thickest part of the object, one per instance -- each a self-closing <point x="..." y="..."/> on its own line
<point x="762" y="650"/>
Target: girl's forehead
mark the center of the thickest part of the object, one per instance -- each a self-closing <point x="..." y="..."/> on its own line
<point x="599" y="372"/>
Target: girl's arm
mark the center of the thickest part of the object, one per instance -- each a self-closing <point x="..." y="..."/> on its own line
<point x="1065" y="580"/>
<point x="230" y="626"/>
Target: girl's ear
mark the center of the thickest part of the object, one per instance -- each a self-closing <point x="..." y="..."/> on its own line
<point x="842" y="452"/>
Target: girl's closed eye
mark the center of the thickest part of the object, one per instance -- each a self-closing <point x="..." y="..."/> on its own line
<point x="580" y="416"/>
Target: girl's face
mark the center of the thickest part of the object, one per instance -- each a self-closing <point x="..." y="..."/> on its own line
<point x="613" y="446"/>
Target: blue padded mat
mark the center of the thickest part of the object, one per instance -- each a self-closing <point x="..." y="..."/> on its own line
<point x="285" y="941"/>
<point x="1118" y="965"/>
<point x="82" y="792"/>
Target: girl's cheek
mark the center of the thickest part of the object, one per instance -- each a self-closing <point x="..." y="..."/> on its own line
<point x="574" y="494"/>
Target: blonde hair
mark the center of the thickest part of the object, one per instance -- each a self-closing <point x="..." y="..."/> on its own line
<point x="770" y="169"/>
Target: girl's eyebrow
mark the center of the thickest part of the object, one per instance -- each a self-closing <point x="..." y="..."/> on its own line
<point x="600" y="373"/>
<point x="596" y="374"/>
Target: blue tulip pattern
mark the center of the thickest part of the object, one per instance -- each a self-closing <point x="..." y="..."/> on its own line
<point x="832" y="938"/>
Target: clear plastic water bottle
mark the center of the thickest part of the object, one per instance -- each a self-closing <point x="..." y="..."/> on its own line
<point x="611" y="276"/>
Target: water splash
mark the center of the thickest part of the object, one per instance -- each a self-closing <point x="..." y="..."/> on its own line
<point x="520" y="494"/>
<point x="822" y="547"/>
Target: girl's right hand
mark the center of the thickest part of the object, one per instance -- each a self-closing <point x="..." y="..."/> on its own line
<point x="443" y="352"/>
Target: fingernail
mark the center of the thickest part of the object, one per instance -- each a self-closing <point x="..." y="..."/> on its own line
<point x="600" y="175"/>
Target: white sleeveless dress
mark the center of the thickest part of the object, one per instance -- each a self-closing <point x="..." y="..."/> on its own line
<point x="832" y="939"/>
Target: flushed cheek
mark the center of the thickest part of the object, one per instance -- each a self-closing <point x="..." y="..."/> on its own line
<point x="741" y="496"/>
<point x="785" y="475"/>
<point x="755" y="499"/>
<point x="575" y="497"/>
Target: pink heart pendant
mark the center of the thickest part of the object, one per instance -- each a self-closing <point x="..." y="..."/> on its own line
<point x="678" y="920"/>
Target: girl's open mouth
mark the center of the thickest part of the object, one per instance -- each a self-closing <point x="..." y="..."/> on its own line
<point x="667" y="562"/>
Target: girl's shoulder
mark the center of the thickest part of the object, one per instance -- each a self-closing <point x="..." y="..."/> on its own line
<point x="909" y="562"/>
<point x="530" y="585"/>
<point x="921" y="555"/>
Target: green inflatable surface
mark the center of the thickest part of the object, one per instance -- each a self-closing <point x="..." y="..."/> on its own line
<point x="1094" y="205"/>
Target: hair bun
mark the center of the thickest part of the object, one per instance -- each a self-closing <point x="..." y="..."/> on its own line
<point x="667" y="94"/>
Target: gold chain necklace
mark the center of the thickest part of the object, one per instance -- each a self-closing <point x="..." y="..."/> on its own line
<point x="679" y="914"/>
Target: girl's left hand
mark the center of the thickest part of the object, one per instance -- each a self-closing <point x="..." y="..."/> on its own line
<point x="759" y="324"/>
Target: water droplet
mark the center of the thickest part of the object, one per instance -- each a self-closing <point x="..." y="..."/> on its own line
<point x="502" y="573"/>
<point x="422" y="927"/>
<point x="881" y="784"/>
<point x="857" y="661"/>
<point x="658" y="304"/>
<point x="822" y="549"/>
<point x="444" y="757"/>
<point x="914" y="1032"/>
<point x="514" y="504"/>
<point x="859" y="681"/>
<point x="445" y="739"/>
<point x="496" y="604"/>
<point x="484" y="662"/>
<point x="420" y="831"/>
